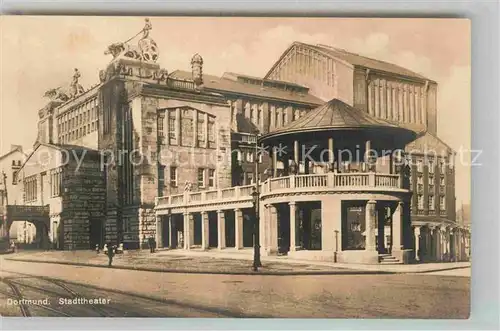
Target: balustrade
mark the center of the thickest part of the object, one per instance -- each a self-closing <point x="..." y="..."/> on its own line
<point x="294" y="182"/>
<point x="311" y="180"/>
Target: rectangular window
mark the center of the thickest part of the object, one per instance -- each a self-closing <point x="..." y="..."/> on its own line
<point x="249" y="157"/>
<point x="431" y="188"/>
<point x="442" y="203"/>
<point x="161" y="180"/>
<point x="173" y="176"/>
<point x="442" y="167"/>
<point x="161" y="132"/>
<point x="171" y="128"/>
<point x="420" y="180"/>
<point x="56" y="182"/>
<point x="431" y="202"/>
<point x="201" y="130"/>
<point x="441" y="181"/>
<point x="187" y="129"/>
<point x="201" y="177"/>
<point x="431" y="167"/>
<point x="419" y="165"/>
<point x="211" y="178"/>
<point x="420" y="202"/>
<point x="211" y="132"/>
<point x="249" y="178"/>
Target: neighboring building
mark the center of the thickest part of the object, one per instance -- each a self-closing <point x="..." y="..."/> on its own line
<point x="144" y="139"/>
<point x="10" y="163"/>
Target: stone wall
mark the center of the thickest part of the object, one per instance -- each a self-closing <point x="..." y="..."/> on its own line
<point x="83" y="199"/>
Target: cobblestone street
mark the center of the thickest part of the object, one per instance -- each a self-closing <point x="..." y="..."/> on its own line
<point x="206" y="295"/>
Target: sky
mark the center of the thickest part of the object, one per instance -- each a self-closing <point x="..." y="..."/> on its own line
<point x="39" y="53"/>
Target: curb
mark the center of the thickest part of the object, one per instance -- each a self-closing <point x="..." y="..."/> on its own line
<point x="235" y="273"/>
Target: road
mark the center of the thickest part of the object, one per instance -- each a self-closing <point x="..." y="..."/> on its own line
<point x="152" y="294"/>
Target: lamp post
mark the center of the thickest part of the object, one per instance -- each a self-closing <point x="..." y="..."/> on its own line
<point x="255" y="199"/>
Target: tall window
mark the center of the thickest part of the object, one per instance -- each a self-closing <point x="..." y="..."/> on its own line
<point x="249" y="178"/>
<point x="211" y="132"/>
<point x="201" y="130"/>
<point x="173" y="176"/>
<point x="441" y="181"/>
<point x="161" y="180"/>
<point x="171" y="128"/>
<point x="211" y="178"/>
<point x="442" y="167"/>
<point x="431" y="166"/>
<point x="201" y="177"/>
<point x="187" y="128"/>
<point x="442" y="203"/>
<point x="161" y="131"/>
<point x="431" y="202"/>
<point x="30" y="189"/>
<point x="420" y="201"/>
<point x="56" y="182"/>
<point x="420" y="166"/>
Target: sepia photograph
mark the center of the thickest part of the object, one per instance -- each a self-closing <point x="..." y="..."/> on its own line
<point x="248" y="167"/>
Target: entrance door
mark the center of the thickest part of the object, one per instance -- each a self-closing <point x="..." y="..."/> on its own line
<point x="96" y="233"/>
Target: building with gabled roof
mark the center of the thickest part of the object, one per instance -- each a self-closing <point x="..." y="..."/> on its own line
<point x="175" y="156"/>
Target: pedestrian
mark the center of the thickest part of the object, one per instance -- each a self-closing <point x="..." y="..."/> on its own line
<point x="111" y="253"/>
<point x="151" y="244"/>
<point x="97" y="248"/>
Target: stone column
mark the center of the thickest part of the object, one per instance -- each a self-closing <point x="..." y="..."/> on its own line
<point x="448" y="241"/>
<point x="221" y="230"/>
<point x="438" y="238"/>
<point x="293" y="226"/>
<point x="377" y="96"/>
<point x="370" y="215"/>
<point x="186" y="231"/>
<point x="238" y="228"/>
<point x="416" y="232"/>
<point x="272" y="230"/>
<point x="159" y="232"/>
<point x="204" y="230"/>
<point x="172" y="232"/>
<point x="397" y="220"/>
<point x="191" y="230"/>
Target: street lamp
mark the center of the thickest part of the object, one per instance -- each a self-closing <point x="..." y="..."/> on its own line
<point x="256" y="232"/>
<point x="255" y="199"/>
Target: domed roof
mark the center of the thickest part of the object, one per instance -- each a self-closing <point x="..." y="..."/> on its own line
<point x="334" y="115"/>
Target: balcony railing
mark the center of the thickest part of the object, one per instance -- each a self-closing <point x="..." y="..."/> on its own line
<point x="288" y="183"/>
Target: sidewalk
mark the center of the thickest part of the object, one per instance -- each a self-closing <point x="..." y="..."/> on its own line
<point x="230" y="262"/>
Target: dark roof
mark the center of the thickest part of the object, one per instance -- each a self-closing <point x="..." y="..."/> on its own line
<point x="245" y="125"/>
<point x="332" y="115"/>
<point x="357" y="60"/>
<point x="237" y="87"/>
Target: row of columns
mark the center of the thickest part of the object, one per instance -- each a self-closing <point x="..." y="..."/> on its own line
<point x="188" y="232"/>
<point x="441" y="243"/>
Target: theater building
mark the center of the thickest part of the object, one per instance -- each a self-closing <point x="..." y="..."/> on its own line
<point x="172" y="155"/>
